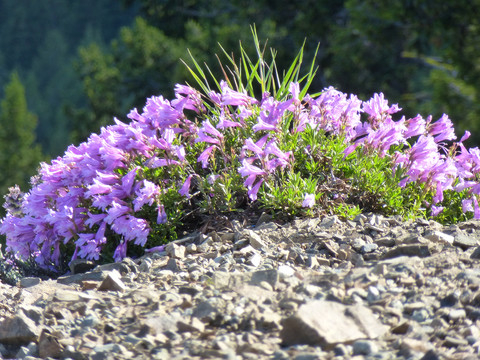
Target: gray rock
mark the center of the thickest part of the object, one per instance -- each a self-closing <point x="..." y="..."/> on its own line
<point x="408" y="250"/>
<point x="438" y="236"/>
<point x="80" y="266"/>
<point x="364" y="347"/>
<point x="29" y="281"/>
<point x="112" y="282"/>
<point x="194" y="325"/>
<point x="18" y="329"/>
<point x="48" y="345"/>
<point x="175" y="251"/>
<point x="368" y="248"/>
<point x="255" y="240"/>
<point x="327" y="323"/>
<point x="305" y="285"/>
<point x="464" y="241"/>
<point x="269" y="276"/>
<point x="79" y="278"/>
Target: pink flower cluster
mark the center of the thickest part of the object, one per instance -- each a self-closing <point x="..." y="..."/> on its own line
<point x="100" y="187"/>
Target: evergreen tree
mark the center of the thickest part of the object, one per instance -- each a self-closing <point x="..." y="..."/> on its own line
<point x="19" y="155"/>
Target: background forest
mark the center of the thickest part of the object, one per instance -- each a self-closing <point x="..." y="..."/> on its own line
<point x="68" y="67"/>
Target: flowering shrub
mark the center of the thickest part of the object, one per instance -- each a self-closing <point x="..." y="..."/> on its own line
<point x="134" y="184"/>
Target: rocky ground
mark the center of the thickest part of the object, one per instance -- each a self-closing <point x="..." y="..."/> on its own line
<point x="373" y="288"/>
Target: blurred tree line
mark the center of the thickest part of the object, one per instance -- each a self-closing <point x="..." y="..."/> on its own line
<point x="83" y="62"/>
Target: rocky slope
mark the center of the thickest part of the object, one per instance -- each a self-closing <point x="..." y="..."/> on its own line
<point x="373" y="288"/>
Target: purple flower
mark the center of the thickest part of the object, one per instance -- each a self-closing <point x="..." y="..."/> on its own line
<point x="377" y="107"/>
<point x="212" y="178"/>
<point x="97" y="188"/>
<point x="467" y="205"/>
<point x="94" y="219"/>
<point x="246" y="169"/>
<point x="249" y="180"/>
<point x="261" y="125"/>
<point x="250" y="145"/>
<point x="252" y="192"/>
<point x="145" y="195"/>
<point x="184" y="191"/>
<point x="207" y="128"/>
<point x="442" y="129"/>
<point x="424" y="149"/>
<point x="154" y="162"/>
<point x="89" y="248"/>
<point x="185" y="90"/>
<point x="225" y="123"/>
<point x="162" y="215"/>
<point x="276" y="162"/>
<point x="272" y="148"/>
<point x="132" y="228"/>
<point x="158" y="113"/>
<point x="116" y="210"/>
<point x="179" y="151"/>
<point x="231" y="97"/>
<point x="438" y="194"/>
<point x="210" y="129"/>
<point x="476" y="209"/>
<point x="215" y="97"/>
<point x="415" y="127"/>
<point x="205" y="155"/>
<point x="120" y="251"/>
<point x="294" y="90"/>
<point x="436" y="210"/>
<point x="465" y="136"/>
<point x="156" y="249"/>
<point x="128" y="180"/>
<point x="350" y="149"/>
<point x="308" y="200"/>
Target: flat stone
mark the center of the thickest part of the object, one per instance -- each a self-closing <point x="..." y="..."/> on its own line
<point x="67" y="296"/>
<point x="18" y="329"/>
<point x="269" y="276"/>
<point x="173" y="265"/>
<point x="454" y="342"/>
<point x="78" y="278"/>
<point x="124" y="267"/>
<point x="327" y="323"/>
<point x="464" y="241"/>
<point x="408" y="250"/>
<point x="438" y="236"/>
<point x="159" y="324"/>
<point x="29" y="281"/>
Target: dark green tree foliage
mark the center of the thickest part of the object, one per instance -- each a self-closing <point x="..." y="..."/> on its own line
<point x="19" y="156"/>
<point x="51" y="85"/>
<point x="40" y="40"/>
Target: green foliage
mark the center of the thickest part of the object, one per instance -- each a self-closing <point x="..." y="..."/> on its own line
<point x="19" y="155"/>
<point x="39" y="40"/>
<point x="364" y="181"/>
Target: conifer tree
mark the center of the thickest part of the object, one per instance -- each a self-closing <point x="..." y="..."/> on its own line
<point x="19" y="154"/>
